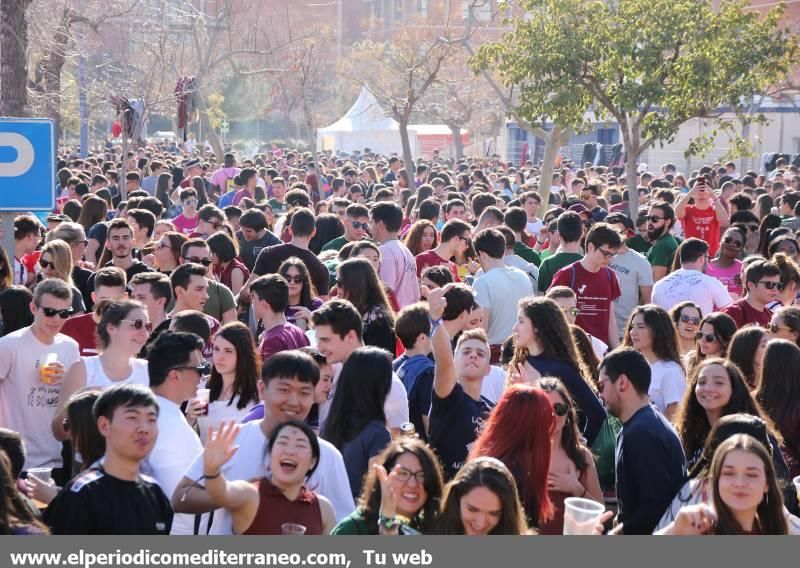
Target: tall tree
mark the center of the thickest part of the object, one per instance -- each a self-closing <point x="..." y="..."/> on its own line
<point x="13" y="57"/>
<point x="651" y="65"/>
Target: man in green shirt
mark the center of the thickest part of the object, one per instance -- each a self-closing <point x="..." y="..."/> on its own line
<point x="637" y="242"/>
<point x="570" y="229"/>
<point x="278" y="201"/>
<point x="660" y="219"/>
<point x="516" y="219"/>
<point x="356" y="225"/>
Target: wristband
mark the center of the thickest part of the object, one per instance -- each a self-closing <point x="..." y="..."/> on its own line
<point x="212" y="476"/>
<point x="434" y="324"/>
<point x="388" y="523"/>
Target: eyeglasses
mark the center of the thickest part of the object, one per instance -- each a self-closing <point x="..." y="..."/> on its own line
<point x="771" y="285"/>
<point x="46" y="263"/>
<point x="190" y="202"/>
<point x="294" y="279"/>
<point x="63" y="314"/>
<point x="601" y="385"/>
<point x="707" y="337"/>
<point x="606" y="253"/>
<point x="203" y="369"/>
<point x="574" y="312"/>
<point x="732" y="242"/>
<point x="204" y="261"/>
<point x="215" y="224"/>
<point x="560" y="409"/>
<point x="138" y="324"/>
<point x="357" y="225"/>
<point x="404" y="475"/>
<point x="690" y="319"/>
<point x="775" y="328"/>
<point x="465" y="239"/>
<point x="654" y="218"/>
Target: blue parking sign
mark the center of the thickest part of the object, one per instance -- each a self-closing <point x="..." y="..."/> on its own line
<point x="27" y="164"/>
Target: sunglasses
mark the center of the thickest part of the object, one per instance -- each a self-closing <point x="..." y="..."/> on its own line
<point x="294" y="279"/>
<point x="771" y="285"/>
<point x="654" y="218"/>
<point x="46" y="263"/>
<point x="690" y="319"/>
<point x="774" y="328"/>
<point x="204" y="261"/>
<point x="560" y="409"/>
<point x="357" y="225"/>
<point x="707" y="337"/>
<point x="574" y="312"/>
<point x="731" y="242"/>
<point x="203" y="369"/>
<point x="138" y="324"/>
<point x="63" y="314"/>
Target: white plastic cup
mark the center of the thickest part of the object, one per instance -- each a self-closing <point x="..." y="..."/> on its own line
<point x="43" y="474"/>
<point x="204" y="396"/>
<point x="293" y="529"/>
<point x="581" y="515"/>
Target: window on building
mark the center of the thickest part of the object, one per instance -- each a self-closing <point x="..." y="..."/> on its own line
<point x="422" y="8"/>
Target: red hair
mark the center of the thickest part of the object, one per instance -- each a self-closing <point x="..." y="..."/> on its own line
<point x="518" y="433"/>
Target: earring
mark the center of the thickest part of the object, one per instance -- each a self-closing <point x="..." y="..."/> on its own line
<point x="766" y="497"/>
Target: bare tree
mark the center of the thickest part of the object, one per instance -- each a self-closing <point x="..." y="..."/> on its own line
<point x="13" y="57"/>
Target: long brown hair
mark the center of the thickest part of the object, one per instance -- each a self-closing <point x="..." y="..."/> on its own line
<point x="584" y="346"/>
<point x="769" y="514"/>
<point x="724" y="330"/>
<point x="248" y="366"/>
<point x="662" y="331"/>
<point x="359" y="283"/>
<point x="742" y="352"/>
<point x="308" y="293"/>
<point x="778" y="389"/>
<point x="82" y="427"/>
<point x="414" y="237"/>
<point x="14" y="512"/>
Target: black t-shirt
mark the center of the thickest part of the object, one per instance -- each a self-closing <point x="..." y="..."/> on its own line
<point x="95" y="502"/>
<point x="270" y="258"/>
<point x="249" y="250"/>
<point x="80" y="277"/>
<point x="159" y="329"/>
<point x="98" y="232"/>
<point x="455" y="423"/>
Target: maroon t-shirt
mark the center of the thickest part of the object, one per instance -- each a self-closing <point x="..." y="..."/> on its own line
<point x="82" y="329"/>
<point x="282" y="337"/>
<point x="430" y="258"/>
<point x="743" y="313"/>
<point x="596" y="293"/>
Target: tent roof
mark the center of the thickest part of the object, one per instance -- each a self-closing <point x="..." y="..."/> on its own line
<point x="366" y="114"/>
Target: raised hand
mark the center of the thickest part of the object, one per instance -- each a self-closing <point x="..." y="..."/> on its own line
<point x="219" y="447"/>
<point x="388" y="498"/>
<point x="437" y="302"/>
<point x="694" y="520"/>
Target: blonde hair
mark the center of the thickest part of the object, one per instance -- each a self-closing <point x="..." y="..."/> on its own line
<point x="61" y="254"/>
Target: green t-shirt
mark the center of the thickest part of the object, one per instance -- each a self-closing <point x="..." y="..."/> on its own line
<point x="663" y="251"/>
<point x="544" y="254"/>
<point x="527" y="253"/>
<point x="356" y="524"/>
<point x="335" y="244"/>
<point x="278" y="208"/>
<point x="553" y="264"/>
<point x="220" y="300"/>
<point x="638" y="243"/>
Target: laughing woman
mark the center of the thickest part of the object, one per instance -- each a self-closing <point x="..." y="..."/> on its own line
<point x="261" y="507"/>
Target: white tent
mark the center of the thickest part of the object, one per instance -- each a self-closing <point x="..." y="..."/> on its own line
<point x="365" y="125"/>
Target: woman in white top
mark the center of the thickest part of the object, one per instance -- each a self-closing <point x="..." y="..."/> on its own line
<point x="234" y="377"/>
<point x="651" y="331"/>
<point x="123" y="330"/>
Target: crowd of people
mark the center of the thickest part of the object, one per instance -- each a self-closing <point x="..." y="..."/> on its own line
<point x="297" y="343"/>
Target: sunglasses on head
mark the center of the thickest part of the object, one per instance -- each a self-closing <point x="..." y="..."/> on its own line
<point x="52" y="312"/>
<point x="204" y="261"/>
<point x="45" y="263"/>
<point x="357" y="225"/>
<point x="690" y="319"/>
<point x="140" y="324"/>
<point x="707" y="337"/>
<point x="560" y="409"/>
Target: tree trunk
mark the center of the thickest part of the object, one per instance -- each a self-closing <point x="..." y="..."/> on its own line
<point x="458" y="143"/>
<point x="13" y="58"/>
<point x="48" y="75"/>
<point x="631" y="149"/>
<point x="210" y="133"/>
<point x="555" y="139"/>
<point x="406" y="142"/>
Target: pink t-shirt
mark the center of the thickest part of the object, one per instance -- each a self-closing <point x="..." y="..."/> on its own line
<point x="185" y="225"/>
<point x="399" y="272"/>
<point x="221" y="177"/>
<point x="730" y="277"/>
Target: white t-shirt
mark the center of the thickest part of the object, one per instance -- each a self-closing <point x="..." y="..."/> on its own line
<point x="220" y="411"/>
<point x="667" y="384"/>
<point x="27" y="405"/>
<point x="707" y="292"/>
<point x="499" y="290"/>
<point x="177" y="446"/>
<point x="494" y="383"/>
<point x="533" y="227"/>
<point x="633" y="271"/>
<point x="399" y="272"/>
<point x="251" y="461"/>
<point x="96" y="375"/>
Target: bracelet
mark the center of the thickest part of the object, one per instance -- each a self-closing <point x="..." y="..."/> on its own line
<point x="434" y="324"/>
<point x="388" y="523"/>
<point x="212" y="476"/>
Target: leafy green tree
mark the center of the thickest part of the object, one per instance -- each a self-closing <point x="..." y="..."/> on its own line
<point x="651" y="65"/>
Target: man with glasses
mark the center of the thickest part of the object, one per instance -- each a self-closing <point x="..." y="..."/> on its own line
<point x="175" y="366"/>
<point x="762" y="287"/>
<point x="595" y="284"/>
<point x="33" y="361"/>
<point x="186" y="222"/>
<point x="209" y="220"/>
<point x="660" y="219"/>
<point x="650" y="463"/>
<point x="455" y="240"/>
<point x="690" y="282"/>
<point x="706" y="217"/>
<point x="219" y="301"/>
<point x="589" y="195"/>
<point x="356" y="227"/>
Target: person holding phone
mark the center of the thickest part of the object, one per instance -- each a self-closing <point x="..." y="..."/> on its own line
<point x="705" y="217"/>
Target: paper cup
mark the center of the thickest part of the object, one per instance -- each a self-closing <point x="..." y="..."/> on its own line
<point x="581" y="515"/>
<point x="43" y="474"/>
<point x="293" y="529"/>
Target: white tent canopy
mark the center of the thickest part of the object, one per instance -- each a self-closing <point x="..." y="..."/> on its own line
<point x="365" y="125"/>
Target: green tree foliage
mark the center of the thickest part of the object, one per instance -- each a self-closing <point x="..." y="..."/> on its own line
<point x="649" y="64"/>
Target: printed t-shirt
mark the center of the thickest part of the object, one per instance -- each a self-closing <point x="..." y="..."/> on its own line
<point x="704" y="225"/>
<point x="430" y="258"/>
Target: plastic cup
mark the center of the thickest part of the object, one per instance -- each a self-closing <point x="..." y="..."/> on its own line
<point x="44" y="367"/>
<point x="293" y="529"/>
<point x="581" y="515"/>
<point x="43" y="474"/>
<point x="796" y="482"/>
<point x="204" y="396"/>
